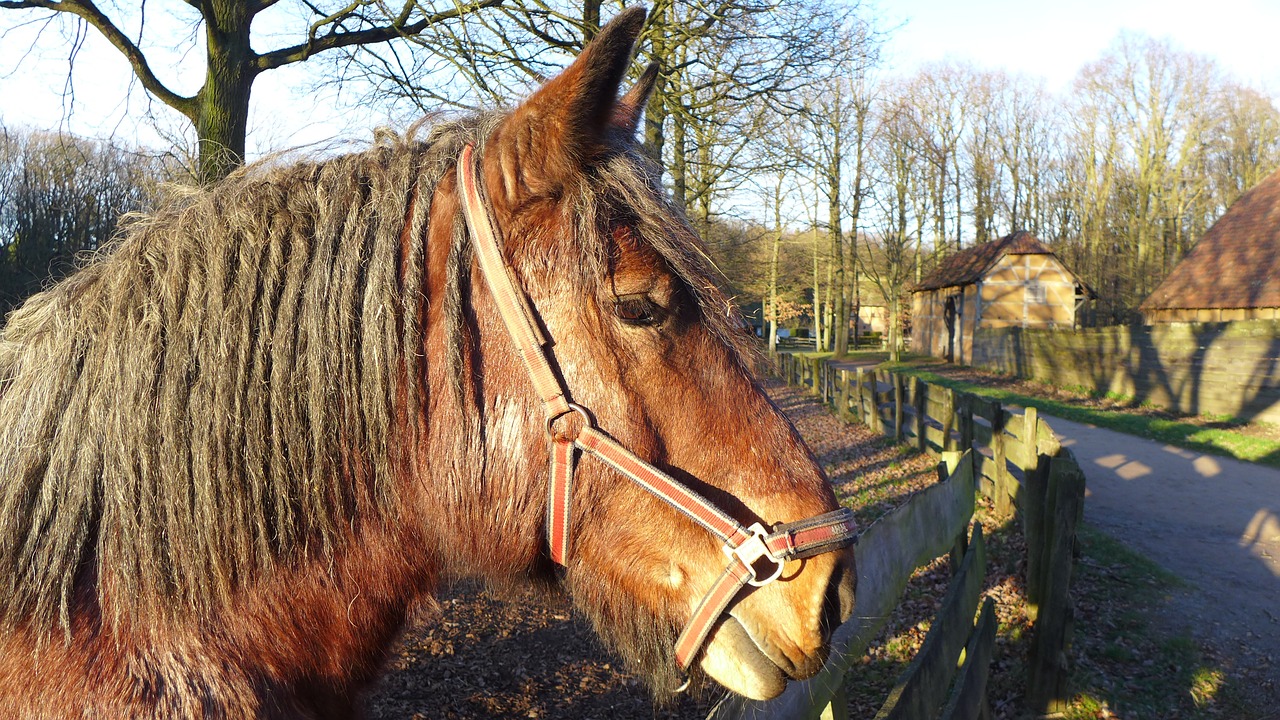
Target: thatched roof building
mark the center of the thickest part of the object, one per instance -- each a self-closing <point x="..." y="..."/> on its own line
<point x="1233" y="272"/>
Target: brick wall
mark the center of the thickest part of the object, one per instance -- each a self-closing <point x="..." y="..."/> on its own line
<point x="1205" y="368"/>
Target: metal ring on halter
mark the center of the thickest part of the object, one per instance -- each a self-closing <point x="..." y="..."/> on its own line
<point x="587" y="420"/>
<point x="750" y="552"/>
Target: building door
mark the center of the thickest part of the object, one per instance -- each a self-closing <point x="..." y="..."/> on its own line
<point x="949" y="318"/>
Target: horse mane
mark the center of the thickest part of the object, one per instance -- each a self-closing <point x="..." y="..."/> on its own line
<point x="214" y="393"/>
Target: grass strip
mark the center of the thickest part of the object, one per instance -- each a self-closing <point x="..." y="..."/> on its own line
<point x="1215" y="441"/>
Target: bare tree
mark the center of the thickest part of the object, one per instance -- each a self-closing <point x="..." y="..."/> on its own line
<point x="60" y="197"/>
<point x="219" y="110"/>
<point x="716" y="62"/>
<point x="886" y="258"/>
<point x="1247" y="146"/>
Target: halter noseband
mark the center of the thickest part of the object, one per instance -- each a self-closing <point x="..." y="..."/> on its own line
<point x="756" y="554"/>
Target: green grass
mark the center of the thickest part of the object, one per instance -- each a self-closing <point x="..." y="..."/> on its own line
<point x="1216" y="441"/>
<point x="1125" y="666"/>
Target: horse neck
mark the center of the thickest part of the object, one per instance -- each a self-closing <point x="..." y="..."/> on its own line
<point x="481" y="502"/>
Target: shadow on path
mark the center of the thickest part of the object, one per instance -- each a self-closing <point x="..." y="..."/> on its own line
<point x="1212" y="521"/>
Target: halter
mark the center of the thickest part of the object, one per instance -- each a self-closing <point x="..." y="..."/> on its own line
<point x="756" y="555"/>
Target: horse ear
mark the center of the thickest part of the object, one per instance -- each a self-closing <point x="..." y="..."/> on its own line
<point x="626" y="116"/>
<point x="549" y="135"/>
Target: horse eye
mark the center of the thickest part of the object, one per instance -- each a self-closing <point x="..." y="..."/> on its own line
<point x="637" y="310"/>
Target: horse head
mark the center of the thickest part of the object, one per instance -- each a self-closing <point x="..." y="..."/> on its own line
<point x="625" y="302"/>
<point x="238" y="446"/>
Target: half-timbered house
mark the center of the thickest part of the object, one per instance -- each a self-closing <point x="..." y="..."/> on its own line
<point x="1015" y="281"/>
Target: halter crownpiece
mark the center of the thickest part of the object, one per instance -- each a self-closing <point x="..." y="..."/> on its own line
<point x="756" y="554"/>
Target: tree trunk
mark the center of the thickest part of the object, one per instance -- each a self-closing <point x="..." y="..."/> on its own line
<point x="679" y="180"/>
<point x="590" y="19"/>
<point x="895" y="328"/>
<point x="829" y="315"/>
<point x="222" y="105"/>
<point x="703" y="195"/>
<point x="773" y="270"/>
<point x="655" y="111"/>
<point x="840" y="321"/>
<point x="855" y="202"/>
<point x="817" y="297"/>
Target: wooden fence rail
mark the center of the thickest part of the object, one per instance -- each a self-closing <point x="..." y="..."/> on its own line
<point x="887" y="553"/>
<point x="1017" y="463"/>
<point x="922" y="689"/>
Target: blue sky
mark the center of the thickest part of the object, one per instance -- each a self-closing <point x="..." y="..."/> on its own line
<point x="1043" y="39"/>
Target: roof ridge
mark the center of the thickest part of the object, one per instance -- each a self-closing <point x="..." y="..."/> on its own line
<point x="968" y="265"/>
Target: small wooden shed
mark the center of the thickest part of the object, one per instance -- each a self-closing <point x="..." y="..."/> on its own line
<point x="1233" y="272"/>
<point x="1015" y="281"/>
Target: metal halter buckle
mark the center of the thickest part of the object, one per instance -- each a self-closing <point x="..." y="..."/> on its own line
<point x="750" y="552"/>
<point x="573" y="408"/>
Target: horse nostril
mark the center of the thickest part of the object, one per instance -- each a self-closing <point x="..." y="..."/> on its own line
<point x="838" y="605"/>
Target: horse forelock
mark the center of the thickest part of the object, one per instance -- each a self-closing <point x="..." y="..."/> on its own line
<point x="626" y="182"/>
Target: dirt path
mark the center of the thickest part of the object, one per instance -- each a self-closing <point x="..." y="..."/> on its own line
<point x="1212" y="521"/>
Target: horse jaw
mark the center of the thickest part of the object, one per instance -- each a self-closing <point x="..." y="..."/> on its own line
<point x="734" y="660"/>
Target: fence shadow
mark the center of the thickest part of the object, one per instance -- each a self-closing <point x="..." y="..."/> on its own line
<point x="1227" y="368"/>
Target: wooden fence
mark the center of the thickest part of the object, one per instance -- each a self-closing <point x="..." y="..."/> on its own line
<point x="1014" y="459"/>
<point x="932" y="524"/>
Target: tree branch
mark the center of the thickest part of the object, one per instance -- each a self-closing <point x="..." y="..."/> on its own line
<point x="399" y="27"/>
<point x="89" y="12"/>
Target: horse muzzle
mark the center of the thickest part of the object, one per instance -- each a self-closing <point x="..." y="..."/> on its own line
<point x="770" y="638"/>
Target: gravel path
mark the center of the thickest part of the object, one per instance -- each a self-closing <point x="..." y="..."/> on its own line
<point x="1213" y="521"/>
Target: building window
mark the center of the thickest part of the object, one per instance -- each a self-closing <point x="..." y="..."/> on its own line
<point x="1036" y="292"/>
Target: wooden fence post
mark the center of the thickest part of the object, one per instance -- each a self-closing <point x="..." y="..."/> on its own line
<point x="949" y="466"/>
<point x="1047" y="690"/>
<point x="1034" y="512"/>
<point x="948" y="418"/>
<point x="823" y="371"/>
<point x="858" y="400"/>
<point x="920" y="395"/>
<point x="815" y="367"/>
<point x="844" y="395"/>
<point x="1030" y="423"/>
<point x="898" y="402"/>
<point x="1002" y="477"/>
<point x="876" y="418"/>
<point x="964" y="418"/>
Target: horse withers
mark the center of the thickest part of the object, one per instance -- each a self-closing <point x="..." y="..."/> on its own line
<point x="240" y="445"/>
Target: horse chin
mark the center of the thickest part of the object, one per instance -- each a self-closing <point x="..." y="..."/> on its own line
<point x="734" y="660"/>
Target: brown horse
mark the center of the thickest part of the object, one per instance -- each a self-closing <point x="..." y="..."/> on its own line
<point x="237" y="448"/>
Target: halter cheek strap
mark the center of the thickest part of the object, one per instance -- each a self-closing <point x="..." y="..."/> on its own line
<point x="756" y="555"/>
